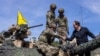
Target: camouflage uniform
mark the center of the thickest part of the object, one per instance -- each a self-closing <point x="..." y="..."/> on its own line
<point x="45" y="40"/>
<point x="62" y="23"/>
<point x="7" y="34"/>
<point x="47" y="36"/>
<point x="46" y="50"/>
<point x="21" y="33"/>
<point x="50" y="16"/>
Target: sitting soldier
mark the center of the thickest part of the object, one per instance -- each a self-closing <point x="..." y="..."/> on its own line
<point x="46" y="38"/>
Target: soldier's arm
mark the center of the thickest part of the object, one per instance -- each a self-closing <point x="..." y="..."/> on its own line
<point x="58" y="36"/>
<point x="49" y="32"/>
<point x="48" y="16"/>
<point x="90" y="33"/>
<point x="66" y="22"/>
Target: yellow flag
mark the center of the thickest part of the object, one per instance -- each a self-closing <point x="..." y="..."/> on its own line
<point x="20" y="19"/>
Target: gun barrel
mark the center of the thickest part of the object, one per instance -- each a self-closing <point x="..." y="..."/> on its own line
<point x="35" y="26"/>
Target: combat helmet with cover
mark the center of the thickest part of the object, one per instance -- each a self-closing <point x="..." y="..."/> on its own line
<point x="61" y="10"/>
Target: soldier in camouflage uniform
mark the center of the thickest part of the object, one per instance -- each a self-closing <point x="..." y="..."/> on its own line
<point x="49" y="34"/>
<point x="50" y="16"/>
<point x="20" y="33"/>
<point x="8" y="33"/>
<point x="45" y="41"/>
<point x="62" y="24"/>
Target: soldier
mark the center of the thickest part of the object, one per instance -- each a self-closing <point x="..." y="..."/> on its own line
<point x="47" y="36"/>
<point x="12" y="29"/>
<point x="50" y="17"/>
<point x="62" y="24"/>
<point x="21" y="33"/>
<point x="46" y="39"/>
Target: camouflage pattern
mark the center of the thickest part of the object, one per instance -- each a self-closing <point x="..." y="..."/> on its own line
<point x="9" y="50"/>
<point x="46" y="49"/>
<point x="61" y="10"/>
<point x="47" y="36"/>
<point x="62" y="24"/>
<point x="62" y="53"/>
<point x="4" y="35"/>
<point x="22" y="32"/>
<point x="53" y="6"/>
<point x="50" y="16"/>
<point x="45" y="41"/>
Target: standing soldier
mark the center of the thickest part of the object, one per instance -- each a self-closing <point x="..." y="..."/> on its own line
<point x="62" y="23"/>
<point x="50" y="17"/>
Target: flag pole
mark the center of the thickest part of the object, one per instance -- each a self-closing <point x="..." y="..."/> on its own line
<point x="17" y="15"/>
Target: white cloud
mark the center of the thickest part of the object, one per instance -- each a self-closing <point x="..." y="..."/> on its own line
<point x="92" y="5"/>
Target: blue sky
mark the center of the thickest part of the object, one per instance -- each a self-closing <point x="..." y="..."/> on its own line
<point x="35" y="12"/>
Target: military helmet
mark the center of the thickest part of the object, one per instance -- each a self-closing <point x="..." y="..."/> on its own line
<point x="53" y="5"/>
<point x="61" y="10"/>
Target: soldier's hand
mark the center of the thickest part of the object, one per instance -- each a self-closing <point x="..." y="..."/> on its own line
<point x="28" y="33"/>
<point x="64" y="37"/>
<point x="17" y="27"/>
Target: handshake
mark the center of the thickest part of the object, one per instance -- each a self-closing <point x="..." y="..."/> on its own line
<point x="64" y="38"/>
